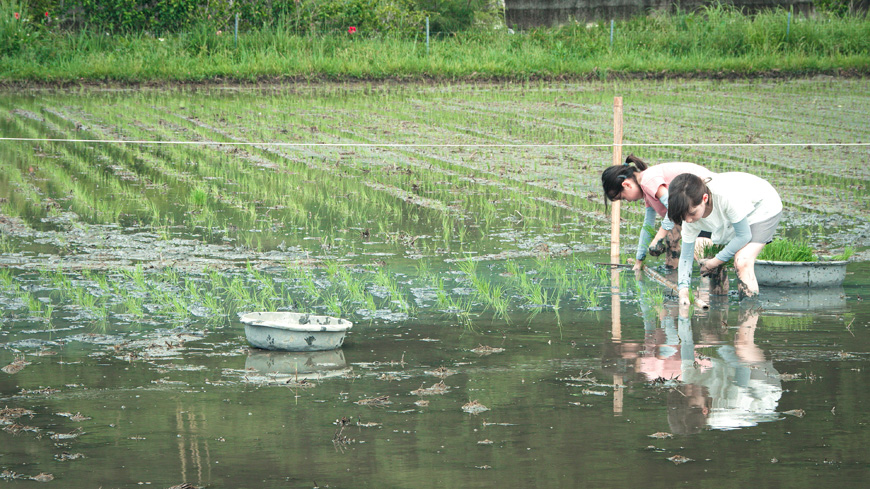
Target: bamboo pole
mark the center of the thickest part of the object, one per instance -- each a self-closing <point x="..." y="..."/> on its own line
<point x="617" y="160"/>
<point x="615" y="304"/>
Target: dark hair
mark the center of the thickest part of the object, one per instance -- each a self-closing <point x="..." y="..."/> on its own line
<point x="688" y="408"/>
<point x="612" y="178"/>
<point x="685" y="191"/>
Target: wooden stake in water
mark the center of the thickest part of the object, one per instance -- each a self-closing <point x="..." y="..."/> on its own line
<point x="427" y="35"/>
<point x="617" y="160"/>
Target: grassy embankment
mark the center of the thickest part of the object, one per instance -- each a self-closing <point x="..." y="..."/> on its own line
<point x="716" y="42"/>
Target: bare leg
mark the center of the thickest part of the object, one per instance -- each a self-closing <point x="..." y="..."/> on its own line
<point x="744" y="262"/>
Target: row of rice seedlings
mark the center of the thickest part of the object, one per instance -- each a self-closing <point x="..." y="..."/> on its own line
<point x="7" y="246"/>
<point x="486" y="201"/>
<point x="492" y="295"/>
<point x="72" y="175"/>
<point x="35" y="307"/>
<point x="396" y="296"/>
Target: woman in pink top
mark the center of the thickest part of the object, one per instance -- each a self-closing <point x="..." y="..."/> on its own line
<point x="640" y="181"/>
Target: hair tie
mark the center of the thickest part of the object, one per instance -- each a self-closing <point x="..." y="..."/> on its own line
<point x="621" y="177"/>
<point x="625" y="164"/>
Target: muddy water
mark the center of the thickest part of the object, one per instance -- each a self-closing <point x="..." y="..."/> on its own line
<point x="772" y="396"/>
<point x="125" y="267"/>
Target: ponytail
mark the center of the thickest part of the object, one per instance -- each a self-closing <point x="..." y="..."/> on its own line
<point x="638" y="163"/>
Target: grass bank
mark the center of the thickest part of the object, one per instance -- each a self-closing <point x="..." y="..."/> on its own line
<point x="714" y="42"/>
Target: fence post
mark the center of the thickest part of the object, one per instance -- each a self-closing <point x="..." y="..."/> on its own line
<point x="611" y="32"/>
<point x="617" y="160"/>
<point x="788" y="26"/>
<point x="427" y="35"/>
<point x="236" y="32"/>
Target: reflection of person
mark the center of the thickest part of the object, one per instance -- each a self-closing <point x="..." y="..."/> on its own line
<point x="736" y="388"/>
<point x="664" y="348"/>
<point x="640" y="181"/>
<point x="741" y="210"/>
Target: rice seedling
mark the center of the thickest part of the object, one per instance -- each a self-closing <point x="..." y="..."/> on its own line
<point x="788" y="250"/>
<point x="847" y="253"/>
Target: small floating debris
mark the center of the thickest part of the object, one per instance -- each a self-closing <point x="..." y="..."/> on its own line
<point x="440" y="372"/>
<point x="474" y="407"/>
<point x="486" y="350"/>
<point x="43" y="391"/>
<point x="42" y="477"/>
<point x="661" y="435"/>
<point x="66" y="456"/>
<point x="787" y="377"/>
<point x="679" y="459"/>
<point x="66" y="436"/>
<point x="422" y="403"/>
<point x="375" y="401"/>
<point x="484" y="442"/>
<point x="593" y="393"/>
<point x="439" y="388"/>
<point x="388" y="377"/>
<point x="8" y="412"/>
<point x="16" y="428"/>
<point x="370" y="424"/>
<point x="15" y="367"/>
<point x="583" y="377"/>
<point x="798" y="413"/>
<point x="75" y="417"/>
<point x="483" y="467"/>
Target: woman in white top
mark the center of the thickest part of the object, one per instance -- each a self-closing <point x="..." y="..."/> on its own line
<point x="740" y="210"/>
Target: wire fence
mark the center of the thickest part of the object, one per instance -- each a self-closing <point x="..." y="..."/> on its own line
<point x="426" y="145"/>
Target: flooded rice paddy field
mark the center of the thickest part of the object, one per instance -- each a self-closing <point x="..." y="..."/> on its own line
<point x="461" y="229"/>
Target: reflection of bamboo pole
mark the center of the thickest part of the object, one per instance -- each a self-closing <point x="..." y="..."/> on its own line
<point x="617" y="394"/>
<point x="194" y="445"/>
<point x="617" y="160"/>
<point x="615" y="307"/>
<point x="179" y="426"/>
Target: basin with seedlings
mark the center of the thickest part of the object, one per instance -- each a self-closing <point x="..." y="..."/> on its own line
<point x="293" y="331"/>
<point x="788" y="263"/>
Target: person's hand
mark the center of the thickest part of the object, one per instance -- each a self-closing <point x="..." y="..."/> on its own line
<point x="656" y="248"/>
<point x="708" y="266"/>
<point x="638" y="265"/>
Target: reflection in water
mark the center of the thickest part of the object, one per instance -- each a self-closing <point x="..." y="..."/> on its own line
<point x="733" y="387"/>
<point x="828" y="299"/>
<point x="291" y="365"/>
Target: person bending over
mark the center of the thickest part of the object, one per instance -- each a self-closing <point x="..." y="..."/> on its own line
<point x="632" y="182"/>
<point x="740" y="210"/>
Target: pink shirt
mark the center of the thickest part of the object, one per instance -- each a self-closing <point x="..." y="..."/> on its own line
<point x="655" y="176"/>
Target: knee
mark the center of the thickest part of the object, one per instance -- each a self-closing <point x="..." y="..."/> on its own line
<point x="743" y="264"/>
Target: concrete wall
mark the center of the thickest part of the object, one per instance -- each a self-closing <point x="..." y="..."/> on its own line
<point x="535" y="13"/>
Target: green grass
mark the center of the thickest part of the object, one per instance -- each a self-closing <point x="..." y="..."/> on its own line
<point x="715" y="39"/>
<point x="788" y="250"/>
